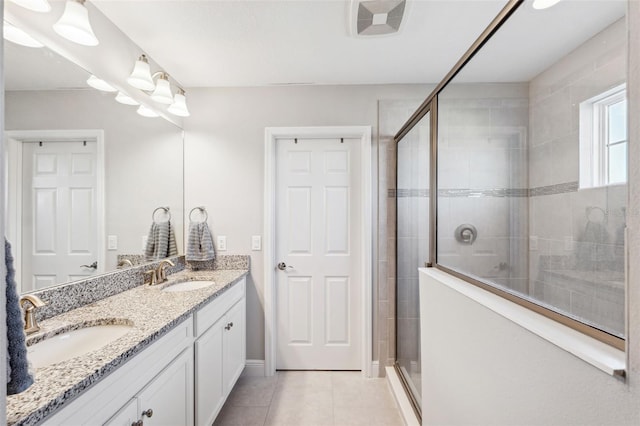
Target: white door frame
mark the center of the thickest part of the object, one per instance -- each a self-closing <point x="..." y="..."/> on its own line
<point x="363" y="133"/>
<point x="13" y="156"/>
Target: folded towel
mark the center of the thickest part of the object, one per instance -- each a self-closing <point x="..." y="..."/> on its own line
<point x="161" y="242"/>
<point x="18" y="376"/>
<point x="199" y="243"/>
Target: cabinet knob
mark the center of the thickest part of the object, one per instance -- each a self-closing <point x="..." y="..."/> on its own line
<point x="228" y="326"/>
<point x="138" y="423"/>
<point x="147" y="413"/>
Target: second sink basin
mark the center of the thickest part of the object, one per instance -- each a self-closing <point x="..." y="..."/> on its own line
<point x="188" y="286"/>
<point x="73" y="343"/>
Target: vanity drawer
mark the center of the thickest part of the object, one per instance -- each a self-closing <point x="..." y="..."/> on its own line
<point x="213" y="311"/>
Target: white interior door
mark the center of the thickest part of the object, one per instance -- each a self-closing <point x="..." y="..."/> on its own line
<point x="318" y="201"/>
<point x="59" y="209"/>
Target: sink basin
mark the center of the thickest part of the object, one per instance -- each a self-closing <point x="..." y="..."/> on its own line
<point x="73" y="343"/>
<point x="188" y="286"/>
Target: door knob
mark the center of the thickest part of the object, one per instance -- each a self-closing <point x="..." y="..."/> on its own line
<point x="94" y="265"/>
<point x="283" y="266"/>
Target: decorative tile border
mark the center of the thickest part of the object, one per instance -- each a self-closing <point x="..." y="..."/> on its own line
<point x="561" y="188"/>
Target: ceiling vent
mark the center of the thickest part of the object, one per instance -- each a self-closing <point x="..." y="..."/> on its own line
<point x="377" y="17"/>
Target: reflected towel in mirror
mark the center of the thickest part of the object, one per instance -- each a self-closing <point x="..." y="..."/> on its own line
<point x="19" y="378"/>
<point x="161" y="242"/>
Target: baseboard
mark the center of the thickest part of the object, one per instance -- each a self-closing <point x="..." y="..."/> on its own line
<point x="375" y="369"/>
<point x="253" y="368"/>
<point x="404" y="405"/>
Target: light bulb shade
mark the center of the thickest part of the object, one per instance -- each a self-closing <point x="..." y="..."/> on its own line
<point x="147" y="112"/>
<point x="35" y="5"/>
<point x="544" y="4"/>
<point x="18" y="36"/>
<point x="100" y="84"/>
<point x="179" y="105"/>
<point x="126" y="99"/>
<point x="140" y="77"/>
<point x="162" y="94"/>
<point x="74" y="24"/>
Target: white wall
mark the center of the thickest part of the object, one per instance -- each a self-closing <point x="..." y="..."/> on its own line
<point x="143" y="156"/>
<point x="224" y="159"/>
<point x="495" y="372"/>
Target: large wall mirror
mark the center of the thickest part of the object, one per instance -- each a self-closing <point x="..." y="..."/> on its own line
<point x="532" y="153"/>
<point x="84" y="172"/>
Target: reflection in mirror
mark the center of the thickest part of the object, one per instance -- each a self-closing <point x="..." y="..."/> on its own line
<point x="532" y="152"/>
<point x="85" y="173"/>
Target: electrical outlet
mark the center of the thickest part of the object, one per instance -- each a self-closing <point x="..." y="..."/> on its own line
<point x="112" y="242"/>
<point x="256" y="242"/>
<point x="533" y="242"/>
<point x="222" y="243"/>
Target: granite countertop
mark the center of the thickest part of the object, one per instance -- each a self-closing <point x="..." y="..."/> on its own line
<point x="151" y="312"/>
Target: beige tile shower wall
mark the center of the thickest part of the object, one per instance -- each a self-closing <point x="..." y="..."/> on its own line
<point x="559" y="225"/>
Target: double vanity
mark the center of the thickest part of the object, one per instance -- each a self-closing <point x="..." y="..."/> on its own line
<point x="163" y="354"/>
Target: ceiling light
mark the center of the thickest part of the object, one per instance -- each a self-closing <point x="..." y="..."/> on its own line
<point x="101" y="85"/>
<point x="74" y="24"/>
<point x="35" y="5"/>
<point x="147" y="112"/>
<point x="179" y="105"/>
<point x="18" y="36"/>
<point x="126" y="99"/>
<point x="163" y="94"/>
<point x="544" y="4"/>
<point x="140" y="77"/>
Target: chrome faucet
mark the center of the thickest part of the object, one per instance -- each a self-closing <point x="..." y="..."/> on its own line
<point x="30" y="323"/>
<point x="161" y="273"/>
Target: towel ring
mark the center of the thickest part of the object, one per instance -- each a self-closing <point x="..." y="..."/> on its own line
<point x="166" y="210"/>
<point x="203" y="210"/>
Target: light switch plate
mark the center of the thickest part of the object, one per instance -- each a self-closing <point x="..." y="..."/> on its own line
<point x="256" y="242"/>
<point x="222" y="242"/>
<point x="112" y="242"/>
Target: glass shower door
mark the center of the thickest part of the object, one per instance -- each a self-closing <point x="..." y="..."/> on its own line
<point x="412" y="249"/>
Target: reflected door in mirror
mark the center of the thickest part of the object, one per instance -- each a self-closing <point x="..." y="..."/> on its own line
<point x="59" y="227"/>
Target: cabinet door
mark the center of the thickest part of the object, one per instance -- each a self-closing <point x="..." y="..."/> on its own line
<point x="126" y="416"/>
<point x="170" y="394"/>
<point x="234" y="344"/>
<point x="210" y="392"/>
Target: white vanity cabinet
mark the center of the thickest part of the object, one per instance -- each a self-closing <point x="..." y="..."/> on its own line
<point x="219" y="352"/>
<point x="183" y="378"/>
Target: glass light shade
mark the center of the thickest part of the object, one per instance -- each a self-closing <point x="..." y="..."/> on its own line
<point x="100" y="84"/>
<point x="147" y="112"/>
<point x="18" y="36"/>
<point x="35" y="5"/>
<point x="126" y="99"/>
<point x="140" y="77"/>
<point x="544" y="4"/>
<point x="162" y="94"/>
<point x="74" y="24"/>
<point x="179" y="105"/>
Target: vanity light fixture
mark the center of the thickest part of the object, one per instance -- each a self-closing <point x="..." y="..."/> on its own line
<point x="100" y="84"/>
<point x="140" y="77"/>
<point x="544" y="4"/>
<point x="74" y="24"/>
<point x="147" y="112"/>
<point x="126" y="99"/>
<point x="18" y="36"/>
<point x="162" y="93"/>
<point x="35" y="5"/>
<point x="179" y="105"/>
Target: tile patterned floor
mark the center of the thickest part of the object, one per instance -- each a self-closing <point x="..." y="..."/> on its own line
<point x="310" y="398"/>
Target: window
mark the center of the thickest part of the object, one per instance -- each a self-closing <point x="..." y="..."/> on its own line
<point x="603" y="139"/>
